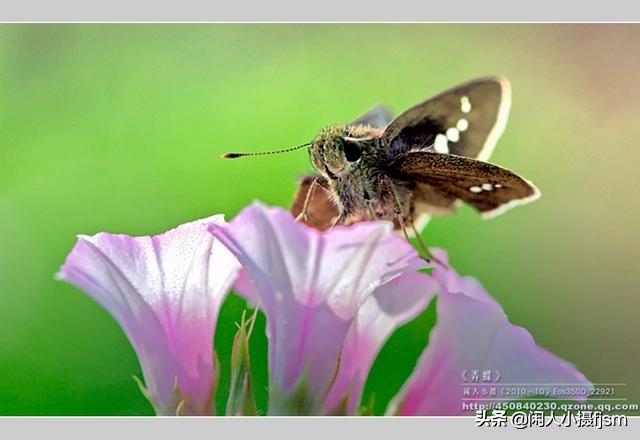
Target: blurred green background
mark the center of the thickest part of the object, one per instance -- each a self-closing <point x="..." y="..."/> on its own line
<point x="119" y="127"/>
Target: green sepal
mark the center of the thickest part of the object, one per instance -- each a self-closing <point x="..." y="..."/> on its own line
<point x="368" y="410"/>
<point x="297" y="402"/>
<point x="142" y="388"/>
<point x="241" y="398"/>
<point x="180" y="400"/>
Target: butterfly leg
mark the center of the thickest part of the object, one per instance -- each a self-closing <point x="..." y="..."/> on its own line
<point x="419" y="238"/>
<point x="339" y="220"/>
<point x="372" y="213"/>
<point x="400" y="220"/>
<point x="317" y="181"/>
<point x="307" y="201"/>
<point x="389" y="192"/>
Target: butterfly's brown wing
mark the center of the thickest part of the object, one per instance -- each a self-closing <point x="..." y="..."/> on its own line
<point x="488" y="188"/>
<point x="466" y="120"/>
<point x="321" y="211"/>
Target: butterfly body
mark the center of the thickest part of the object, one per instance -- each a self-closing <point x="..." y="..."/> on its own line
<point x="425" y="162"/>
<point x="352" y="161"/>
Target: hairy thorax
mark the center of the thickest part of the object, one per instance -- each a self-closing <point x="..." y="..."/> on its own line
<point x="351" y="160"/>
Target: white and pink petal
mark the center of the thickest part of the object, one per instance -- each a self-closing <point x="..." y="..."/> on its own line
<point x="311" y="285"/>
<point x="165" y="291"/>
<point x="389" y="307"/>
<point x="473" y="334"/>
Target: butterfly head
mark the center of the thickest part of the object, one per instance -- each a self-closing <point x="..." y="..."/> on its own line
<point x="336" y="150"/>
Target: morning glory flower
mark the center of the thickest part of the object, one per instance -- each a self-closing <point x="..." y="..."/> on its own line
<point x="311" y="285"/>
<point x="473" y="334"/>
<point x="389" y="307"/>
<point x="165" y="291"/>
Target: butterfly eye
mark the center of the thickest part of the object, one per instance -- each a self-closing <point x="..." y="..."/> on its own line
<point x="352" y="150"/>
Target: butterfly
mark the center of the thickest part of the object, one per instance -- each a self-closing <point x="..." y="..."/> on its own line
<point x="425" y="162"/>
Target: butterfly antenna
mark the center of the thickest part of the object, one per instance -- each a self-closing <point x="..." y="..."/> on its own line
<point x="263" y="153"/>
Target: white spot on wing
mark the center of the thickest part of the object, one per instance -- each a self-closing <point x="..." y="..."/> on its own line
<point x="462" y="124"/>
<point x="487" y="186"/>
<point x="497" y="185"/>
<point x="465" y="104"/>
<point x="512" y="204"/>
<point x="453" y="134"/>
<point x="475" y="189"/>
<point x="441" y="144"/>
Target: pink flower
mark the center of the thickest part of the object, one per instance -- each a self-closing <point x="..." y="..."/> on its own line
<point x="390" y="306"/>
<point x="472" y="336"/>
<point x="165" y="291"/>
<point x="311" y="286"/>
